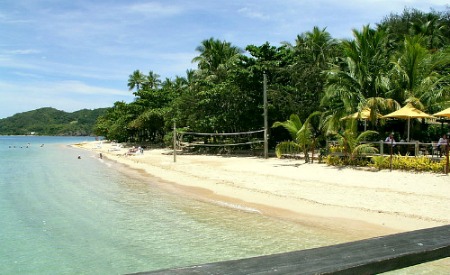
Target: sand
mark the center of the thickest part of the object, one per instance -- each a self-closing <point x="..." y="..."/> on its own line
<point x="360" y="202"/>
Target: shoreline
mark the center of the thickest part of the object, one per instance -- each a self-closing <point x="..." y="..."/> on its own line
<point x="356" y="202"/>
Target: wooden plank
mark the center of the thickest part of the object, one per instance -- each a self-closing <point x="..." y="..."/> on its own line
<point x="371" y="256"/>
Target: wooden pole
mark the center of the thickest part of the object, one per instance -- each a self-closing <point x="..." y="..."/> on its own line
<point x="446" y="157"/>
<point x="392" y="144"/>
<point x="174" y="141"/>
<point x="266" y="126"/>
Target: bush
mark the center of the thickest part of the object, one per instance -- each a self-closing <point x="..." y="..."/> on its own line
<point x="418" y="164"/>
<point x="399" y="162"/>
<point x="287" y="148"/>
<point x="335" y="160"/>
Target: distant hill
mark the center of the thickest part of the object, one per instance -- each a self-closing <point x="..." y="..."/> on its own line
<point x="51" y="122"/>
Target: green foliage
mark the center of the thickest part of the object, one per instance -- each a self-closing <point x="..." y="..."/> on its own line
<point x="290" y="148"/>
<point x="417" y="164"/>
<point x="50" y="121"/>
<point x="300" y="135"/>
<point x="351" y="143"/>
<point x="380" y="162"/>
<point x="292" y="125"/>
<point x="335" y="160"/>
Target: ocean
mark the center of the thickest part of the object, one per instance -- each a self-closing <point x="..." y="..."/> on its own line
<point x="61" y="214"/>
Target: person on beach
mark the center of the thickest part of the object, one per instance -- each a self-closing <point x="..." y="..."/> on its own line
<point x="390" y="139"/>
<point x="442" y="144"/>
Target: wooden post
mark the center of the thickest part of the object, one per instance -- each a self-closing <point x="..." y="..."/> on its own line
<point x="266" y="126"/>
<point x="174" y="141"/>
<point x="446" y="157"/>
<point x="391" y="149"/>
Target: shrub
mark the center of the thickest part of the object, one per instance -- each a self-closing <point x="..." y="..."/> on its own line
<point x="418" y="164"/>
<point x="287" y="148"/>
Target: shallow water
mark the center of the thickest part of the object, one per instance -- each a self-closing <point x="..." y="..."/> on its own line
<point x="64" y="215"/>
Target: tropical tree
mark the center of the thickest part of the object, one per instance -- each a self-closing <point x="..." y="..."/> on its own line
<point x="432" y="26"/>
<point x="359" y="81"/>
<point x="216" y="58"/>
<point x="352" y="144"/>
<point x="313" y="53"/>
<point x="315" y="128"/>
<point x="306" y="135"/>
<point x="114" y="123"/>
<point x="152" y="81"/>
<point x="135" y="80"/>
<point x="271" y="61"/>
<point x="300" y="138"/>
<point x="150" y="125"/>
<point x="415" y="75"/>
<point x="319" y="44"/>
<point x="432" y="29"/>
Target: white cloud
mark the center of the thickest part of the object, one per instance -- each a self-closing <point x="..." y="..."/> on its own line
<point x="153" y="9"/>
<point x="253" y="13"/>
<point x="25" y="51"/>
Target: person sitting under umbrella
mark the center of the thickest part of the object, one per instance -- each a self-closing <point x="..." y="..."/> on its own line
<point x="442" y="144"/>
<point x="390" y="139"/>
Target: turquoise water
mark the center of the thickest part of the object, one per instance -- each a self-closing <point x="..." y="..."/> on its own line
<point x="64" y="215"/>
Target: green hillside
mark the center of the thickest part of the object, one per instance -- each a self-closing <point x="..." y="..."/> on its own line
<point x="50" y="121"/>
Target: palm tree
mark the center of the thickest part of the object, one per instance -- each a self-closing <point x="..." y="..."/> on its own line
<point x="216" y="58"/>
<point x="152" y="81"/>
<point x="300" y="138"/>
<point x="352" y="142"/>
<point x="432" y="29"/>
<point x="306" y="135"/>
<point x="360" y="81"/>
<point x="303" y="65"/>
<point x="292" y="125"/>
<point x="135" y="80"/>
<point x="318" y="43"/>
<point x="315" y="127"/>
<point x="415" y="75"/>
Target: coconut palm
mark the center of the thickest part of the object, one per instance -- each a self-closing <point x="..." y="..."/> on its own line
<point x="216" y="58"/>
<point x="318" y="43"/>
<point x="432" y="29"/>
<point x="351" y="142"/>
<point x="360" y="80"/>
<point x="152" y="81"/>
<point x="415" y="75"/>
<point x="300" y="138"/>
<point x="315" y="129"/>
<point x="135" y="80"/>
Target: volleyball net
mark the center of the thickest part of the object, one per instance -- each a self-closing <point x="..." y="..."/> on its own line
<point x="247" y="140"/>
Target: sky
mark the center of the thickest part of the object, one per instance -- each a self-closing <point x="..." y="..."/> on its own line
<point x="73" y="55"/>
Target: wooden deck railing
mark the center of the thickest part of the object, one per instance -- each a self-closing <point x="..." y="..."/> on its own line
<point x="369" y="256"/>
<point x="415" y="148"/>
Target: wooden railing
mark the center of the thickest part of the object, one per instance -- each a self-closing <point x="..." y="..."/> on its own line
<point x="371" y="256"/>
<point x="419" y="148"/>
<point x="414" y="148"/>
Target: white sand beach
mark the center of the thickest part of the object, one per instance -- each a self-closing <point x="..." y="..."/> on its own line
<point x="360" y="203"/>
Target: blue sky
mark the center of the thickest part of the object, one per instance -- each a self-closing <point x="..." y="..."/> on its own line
<point x="78" y="54"/>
